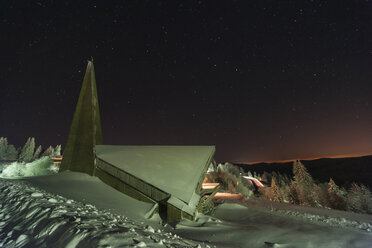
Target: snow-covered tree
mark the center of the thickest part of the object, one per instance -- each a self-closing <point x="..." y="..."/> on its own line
<point x="266" y="192"/>
<point x="275" y="192"/>
<point x="292" y="193"/>
<point x="48" y="152"/>
<point x="37" y="153"/>
<point x="283" y="180"/>
<point x="274" y="175"/>
<point x="335" y="196"/>
<point x="265" y="177"/>
<point x="305" y="187"/>
<point x="11" y="153"/>
<point x="301" y="176"/>
<point x="322" y="195"/>
<point x="3" y="148"/>
<point x="359" y="199"/>
<point x="255" y="174"/>
<point x="57" y="150"/>
<point x="27" y="152"/>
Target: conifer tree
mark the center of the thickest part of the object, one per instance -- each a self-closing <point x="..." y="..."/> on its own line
<point x="275" y="192"/>
<point x="27" y="152"/>
<point x="3" y="148"/>
<point x="305" y="188"/>
<point x="265" y="177"/>
<point x="301" y="176"/>
<point x="48" y="152"/>
<point x="11" y="153"/>
<point x="57" y="150"/>
<point x="359" y="199"/>
<point x="292" y="193"/>
<point x="335" y="198"/>
<point x="37" y="153"/>
<point x="275" y="176"/>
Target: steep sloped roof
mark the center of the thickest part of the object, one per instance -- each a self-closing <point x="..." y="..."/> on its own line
<point x="85" y="131"/>
<point x="174" y="169"/>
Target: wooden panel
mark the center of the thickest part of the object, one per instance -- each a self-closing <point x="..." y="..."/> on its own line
<point x="136" y="183"/>
<point x="122" y="186"/>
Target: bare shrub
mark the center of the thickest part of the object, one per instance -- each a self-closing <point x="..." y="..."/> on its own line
<point x="359" y="199"/>
<point x="292" y="193"/>
<point x="272" y="193"/>
<point x="336" y="199"/>
<point x="266" y="193"/>
<point x="323" y="197"/>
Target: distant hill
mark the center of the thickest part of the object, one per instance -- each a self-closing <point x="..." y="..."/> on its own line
<point x="342" y="170"/>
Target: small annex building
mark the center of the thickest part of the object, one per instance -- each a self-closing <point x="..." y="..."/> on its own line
<point x="171" y="177"/>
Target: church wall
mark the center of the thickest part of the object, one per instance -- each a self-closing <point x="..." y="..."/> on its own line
<point x="122" y="186"/>
<point x="139" y="185"/>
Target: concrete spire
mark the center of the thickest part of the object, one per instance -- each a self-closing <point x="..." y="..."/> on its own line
<point x="85" y="130"/>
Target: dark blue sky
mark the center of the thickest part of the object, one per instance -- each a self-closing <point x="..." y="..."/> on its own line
<point x="261" y="80"/>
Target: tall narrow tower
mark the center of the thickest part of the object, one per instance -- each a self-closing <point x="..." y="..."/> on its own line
<point x="85" y="130"/>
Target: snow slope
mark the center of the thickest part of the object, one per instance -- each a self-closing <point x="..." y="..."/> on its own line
<point x="235" y="225"/>
<point x="75" y="210"/>
<point x="32" y="217"/>
<point x="320" y="215"/>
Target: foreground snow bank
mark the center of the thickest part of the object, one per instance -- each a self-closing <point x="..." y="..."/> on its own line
<point x="330" y="217"/>
<point x="332" y="221"/>
<point x="39" y="167"/>
<point x="235" y="225"/>
<point x="31" y="217"/>
<point x="73" y="209"/>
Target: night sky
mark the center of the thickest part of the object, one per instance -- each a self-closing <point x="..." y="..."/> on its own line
<point x="261" y="80"/>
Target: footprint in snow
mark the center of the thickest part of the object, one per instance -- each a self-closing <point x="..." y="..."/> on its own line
<point x="36" y="194"/>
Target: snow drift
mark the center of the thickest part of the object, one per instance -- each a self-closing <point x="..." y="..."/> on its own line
<point x="39" y="167"/>
<point x="31" y="217"/>
<point x="73" y="209"/>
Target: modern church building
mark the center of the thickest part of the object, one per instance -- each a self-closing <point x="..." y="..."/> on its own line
<point x="171" y="177"/>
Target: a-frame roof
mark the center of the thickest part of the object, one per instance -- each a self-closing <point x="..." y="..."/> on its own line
<point x="173" y="169"/>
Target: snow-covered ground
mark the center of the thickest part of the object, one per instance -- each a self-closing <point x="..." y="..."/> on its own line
<point x="33" y="217"/>
<point x="41" y="166"/>
<point x="75" y="210"/>
<point x="234" y="225"/>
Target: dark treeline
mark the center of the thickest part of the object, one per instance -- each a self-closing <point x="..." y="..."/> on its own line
<point x="344" y="171"/>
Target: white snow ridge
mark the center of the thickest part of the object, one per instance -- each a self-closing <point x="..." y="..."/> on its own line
<point x="30" y="217"/>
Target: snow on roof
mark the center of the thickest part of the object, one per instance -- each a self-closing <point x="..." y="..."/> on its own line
<point x="174" y="169"/>
<point x="90" y="190"/>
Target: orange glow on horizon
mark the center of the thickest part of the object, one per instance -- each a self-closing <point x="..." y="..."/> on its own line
<point x="311" y="158"/>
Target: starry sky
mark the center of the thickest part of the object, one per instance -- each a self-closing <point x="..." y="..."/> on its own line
<point x="262" y="80"/>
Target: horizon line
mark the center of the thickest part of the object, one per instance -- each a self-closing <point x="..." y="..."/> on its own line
<point x="309" y="158"/>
